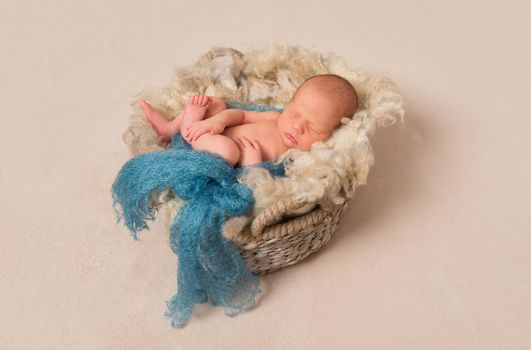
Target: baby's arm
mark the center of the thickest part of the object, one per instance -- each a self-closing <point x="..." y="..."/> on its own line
<point x="228" y="117"/>
<point x="215" y="124"/>
<point x="233" y="116"/>
<point x="250" y="117"/>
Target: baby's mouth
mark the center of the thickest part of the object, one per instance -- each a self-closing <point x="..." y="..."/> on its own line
<point x="291" y="138"/>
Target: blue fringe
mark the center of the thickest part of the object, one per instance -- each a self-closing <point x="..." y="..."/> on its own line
<point x="210" y="266"/>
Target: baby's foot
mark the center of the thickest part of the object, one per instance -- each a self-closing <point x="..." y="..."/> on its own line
<point x="162" y="126"/>
<point x="194" y="110"/>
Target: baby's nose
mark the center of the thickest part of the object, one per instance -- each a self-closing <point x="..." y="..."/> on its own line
<point x="299" y="127"/>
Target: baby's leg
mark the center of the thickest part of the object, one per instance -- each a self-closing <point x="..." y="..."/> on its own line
<point x="164" y="127"/>
<point x="220" y="144"/>
<point x="194" y="110"/>
<point x="167" y="128"/>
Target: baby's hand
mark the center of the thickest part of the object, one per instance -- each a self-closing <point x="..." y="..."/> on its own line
<point x="250" y="152"/>
<point x="200" y="127"/>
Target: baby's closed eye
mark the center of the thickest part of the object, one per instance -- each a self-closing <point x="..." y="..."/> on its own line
<point x="315" y="131"/>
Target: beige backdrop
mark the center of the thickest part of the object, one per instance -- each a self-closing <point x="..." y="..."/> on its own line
<point x="434" y="253"/>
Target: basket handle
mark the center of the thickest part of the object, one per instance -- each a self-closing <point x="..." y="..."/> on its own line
<point x="274" y="212"/>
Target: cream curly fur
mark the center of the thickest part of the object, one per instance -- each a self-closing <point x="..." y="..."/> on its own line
<point x="270" y="75"/>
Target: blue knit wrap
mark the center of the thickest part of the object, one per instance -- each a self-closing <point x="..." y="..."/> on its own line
<point x="210" y="266"/>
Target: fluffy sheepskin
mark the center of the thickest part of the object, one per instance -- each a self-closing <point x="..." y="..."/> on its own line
<point x="271" y="75"/>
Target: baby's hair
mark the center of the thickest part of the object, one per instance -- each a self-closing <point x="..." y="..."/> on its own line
<point x="339" y="87"/>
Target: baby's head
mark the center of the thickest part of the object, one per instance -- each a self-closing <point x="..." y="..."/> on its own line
<point x="316" y="109"/>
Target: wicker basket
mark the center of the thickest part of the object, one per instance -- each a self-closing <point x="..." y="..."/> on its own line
<point x="276" y="238"/>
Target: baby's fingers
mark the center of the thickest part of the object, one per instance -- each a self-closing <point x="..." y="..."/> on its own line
<point x="193" y="135"/>
<point x="192" y="132"/>
<point x="239" y="143"/>
<point x="255" y="144"/>
<point x="189" y="131"/>
<point x="198" y="132"/>
<point x="252" y="144"/>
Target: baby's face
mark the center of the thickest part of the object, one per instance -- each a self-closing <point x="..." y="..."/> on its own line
<point x="308" y="118"/>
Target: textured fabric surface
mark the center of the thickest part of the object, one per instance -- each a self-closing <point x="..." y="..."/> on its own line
<point x="210" y="266"/>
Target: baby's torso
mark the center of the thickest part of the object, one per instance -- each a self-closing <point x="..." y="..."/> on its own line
<point x="265" y="133"/>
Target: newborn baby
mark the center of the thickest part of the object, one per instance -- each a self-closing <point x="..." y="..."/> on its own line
<point x="247" y="137"/>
